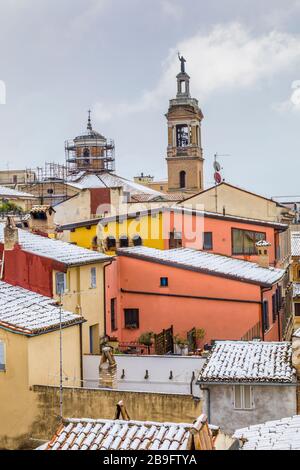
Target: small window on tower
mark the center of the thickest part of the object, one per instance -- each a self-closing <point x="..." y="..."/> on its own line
<point x="182" y="179"/>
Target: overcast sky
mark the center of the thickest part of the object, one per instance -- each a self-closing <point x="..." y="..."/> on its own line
<point x="58" y="58"/>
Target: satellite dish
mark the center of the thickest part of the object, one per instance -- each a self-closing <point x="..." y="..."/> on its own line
<point x="217" y="166"/>
<point x="217" y="177"/>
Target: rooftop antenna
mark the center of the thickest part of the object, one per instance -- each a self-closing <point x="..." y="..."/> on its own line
<point x="217" y="175"/>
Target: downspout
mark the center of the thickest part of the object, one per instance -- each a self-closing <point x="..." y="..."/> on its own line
<point x="104" y="297"/>
<point x="262" y="290"/>
<point x="2" y="264"/>
<point x="207" y="390"/>
<point x="191" y="383"/>
<point x="81" y="357"/>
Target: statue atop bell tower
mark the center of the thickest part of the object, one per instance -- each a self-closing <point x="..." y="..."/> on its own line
<point x="184" y="153"/>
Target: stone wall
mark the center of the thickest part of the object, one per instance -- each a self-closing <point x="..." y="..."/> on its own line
<point x="100" y="403"/>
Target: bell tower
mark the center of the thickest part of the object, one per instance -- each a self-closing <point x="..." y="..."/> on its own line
<point x="184" y="153"/>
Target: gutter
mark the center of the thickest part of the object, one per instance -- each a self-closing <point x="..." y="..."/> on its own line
<point x="207" y="390"/>
<point x="183" y="296"/>
<point x="104" y="289"/>
<point x="32" y="335"/>
<point x="252" y="384"/>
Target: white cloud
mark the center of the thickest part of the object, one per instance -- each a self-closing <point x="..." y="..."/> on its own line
<point x="172" y="9"/>
<point x="227" y="58"/>
<point x="293" y="103"/>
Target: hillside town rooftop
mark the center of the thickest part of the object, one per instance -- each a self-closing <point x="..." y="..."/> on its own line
<point x="63" y="252"/>
<point x="283" y="434"/>
<point x="104" y="434"/>
<point x="249" y="361"/>
<point x="209" y="263"/>
<point x="14" y="194"/>
<point x="295" y="243"/>
<point x="29" y="313"/>
<point x="196" y="212"/>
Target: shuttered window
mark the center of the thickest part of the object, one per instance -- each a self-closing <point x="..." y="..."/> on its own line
<point x="93" y="278"/>
<point x="61" y="283"/>
<point x="2" y="355"/>
<point x="243" y="399"/>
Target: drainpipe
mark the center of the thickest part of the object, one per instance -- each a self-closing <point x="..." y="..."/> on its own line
<point x="81" y="358"/>
<point x="104" y="297"/>
<point x="2" y="264"/>
<point x="207" y="390"/>
<point x="191" y="383"/>
<point x="262" y="291"/>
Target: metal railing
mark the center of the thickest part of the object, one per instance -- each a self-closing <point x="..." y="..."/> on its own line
<point x="254" y="332"/>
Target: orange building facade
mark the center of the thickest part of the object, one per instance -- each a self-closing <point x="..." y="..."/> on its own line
<point x="145" y="294"/>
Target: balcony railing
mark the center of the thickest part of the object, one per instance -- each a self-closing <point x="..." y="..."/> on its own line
<point x="253" y="333"/>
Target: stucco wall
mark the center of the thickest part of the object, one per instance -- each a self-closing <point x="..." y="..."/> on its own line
<point x="81" y="298"/>
<point x="75" y="209"/>
<point x="220" y="319"/>
<point x="28" y="361"/>
<point x="270" y="402"/>
<point x="92" y="403"/>
<point x="159" y="369"/>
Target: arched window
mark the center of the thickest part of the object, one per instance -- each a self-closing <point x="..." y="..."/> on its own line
<point x="137" y="241"/>
<point x="124" y="241"/>
<point x="86" y="155"/>
<point x="110" y="243"/>
<point x="182" y="179"/>
<point x="95" y="243"/>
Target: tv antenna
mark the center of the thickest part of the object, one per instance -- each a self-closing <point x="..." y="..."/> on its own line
<point x="217" y="174"/>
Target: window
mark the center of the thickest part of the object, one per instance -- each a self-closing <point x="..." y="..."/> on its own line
<point x="164" y="282"/>
<point x="93" y="278"/>
<point x="131" y="317"/>
<point x="94" y="339"/>
<point x="182" y="179"/>
<point x="244" y="241"/>
<point x="61" y="284"/>
<point x="266" y="315"/>
<point x="124" y="242"/>
<point x="207" y="241"/>
<point x="113" y="317"/>
<point x="274" y="307"/>
<point x="110" y="243"/>
<point x="297" y="310"/>
<point x="15" y="178"/>
<point x="2" y="355"/>
<point x="137" y="241"/>
<point x="50" y="191"/>
<point x="182" y="135"/>
<point x="175" y="240"/>
<point x="243" y="399"/>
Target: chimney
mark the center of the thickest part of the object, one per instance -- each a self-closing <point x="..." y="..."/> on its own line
<point x="121" y="411"/>
<point x="263" y="253"/>
<point x="42" y="219"/>
<point x="107" y="369"/>
<point x="11" y="234"/>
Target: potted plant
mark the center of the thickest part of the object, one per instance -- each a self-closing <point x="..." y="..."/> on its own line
<point x="146" y="339"/>
<point x="181" y="345"/>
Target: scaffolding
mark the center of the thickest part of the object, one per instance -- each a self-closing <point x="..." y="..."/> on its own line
<point x="89" y="153"/>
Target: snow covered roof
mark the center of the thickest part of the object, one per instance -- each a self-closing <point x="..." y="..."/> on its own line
<point x="110" y="180"/>
<point x="108" y="434"/>
<point x="200" y="213"/>
<point x="63" y="252"/>
<point x="249" y="361"/>
<point x="30" y="313"/>
<point x="282" y="434"/>
<point x="295" y="243"/>
<point x="14" y="194"/>
<point x="208" y="263"/>
<point x="296" y="333"/>
<point x="296" y="289"/>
